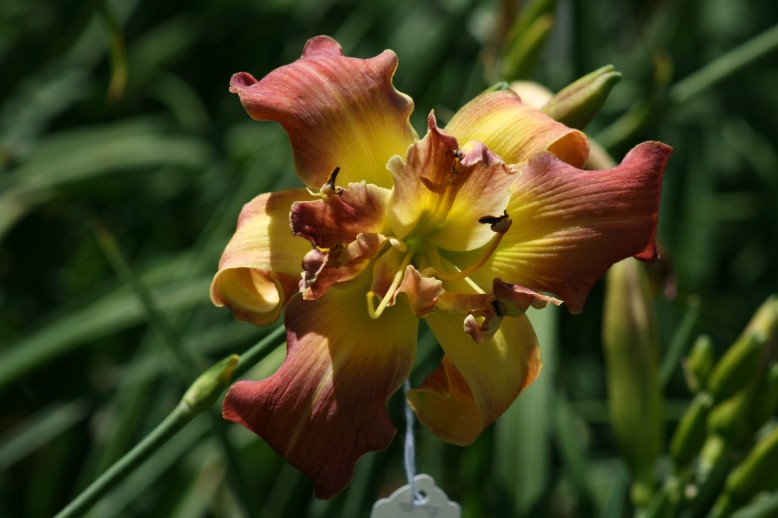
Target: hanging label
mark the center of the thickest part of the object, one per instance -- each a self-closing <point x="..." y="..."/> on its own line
<point x="430" y="501"/>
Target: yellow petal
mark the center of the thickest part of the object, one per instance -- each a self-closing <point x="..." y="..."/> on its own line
<point x="338" y="111"/>
<point x="515" y="131"/>
<point x="475" y="383"/>
<point x="260" y="268"/>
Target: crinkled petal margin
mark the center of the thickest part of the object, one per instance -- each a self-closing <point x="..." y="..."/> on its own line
<point x="325" y="406"/>
<point x="260" y="268"/>
<point x="338" y="112"/>
<point x="572" y="225"/>
<point x="475" y="383"/>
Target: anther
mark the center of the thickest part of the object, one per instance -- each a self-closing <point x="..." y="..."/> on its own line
<point x="499" y="224"/>
<point x="330" y="189"/>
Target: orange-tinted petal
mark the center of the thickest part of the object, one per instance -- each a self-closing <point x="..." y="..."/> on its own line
<point x="323" y="269"/>
<point x="571" y="225"/>
<point x="325" y="406"/>
<point x="260" y="268"/>
<point x="475" y="383"/>
<point x="338" y="219"/>
<point x="338" y="111"/>
<point x="515" y="131"/>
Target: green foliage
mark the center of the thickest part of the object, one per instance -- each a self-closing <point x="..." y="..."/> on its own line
<point x="114" y="115"/>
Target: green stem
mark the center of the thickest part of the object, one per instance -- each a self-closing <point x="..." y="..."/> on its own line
<point x="257" y="352"/>
<point x="175" y="421"/>
<point x="724" y="66"/>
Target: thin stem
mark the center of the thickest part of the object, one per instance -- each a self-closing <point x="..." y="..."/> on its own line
<point x="257" y="352"/>
<point x="175" y="421"/>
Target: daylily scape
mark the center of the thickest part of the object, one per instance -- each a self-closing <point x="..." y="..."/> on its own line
<point x="466" y="227"/>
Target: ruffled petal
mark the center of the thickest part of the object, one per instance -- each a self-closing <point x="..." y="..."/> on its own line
<point x="571" y="225"/>
<point x="260" y="268"/>
<point x="475" y="383"/>
<point x="325" y="406"/>
<point x="323" y="269"/>
<point x="338" y="111"/>
<point x="484" y="192"/>
<point x="336" y="220"/>
<point x="515" y="131"/>
<point x="428" y="163"/>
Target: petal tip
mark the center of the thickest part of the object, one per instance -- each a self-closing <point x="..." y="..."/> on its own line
<point x="240" y="81"/>
<point x="322" y="45"/>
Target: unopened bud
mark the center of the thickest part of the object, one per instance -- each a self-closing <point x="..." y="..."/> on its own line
<point x="207" y="388"/>
<point x="739" y="363"/>
<point x="755" y="474"/>
<point x="690" y="432"/>
<point x="699" y="364"/>
<point x="576" y="104"/>
<point x="631" y="347"/>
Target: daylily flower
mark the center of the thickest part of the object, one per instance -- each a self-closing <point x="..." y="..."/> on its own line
<point x="466" y="228"/>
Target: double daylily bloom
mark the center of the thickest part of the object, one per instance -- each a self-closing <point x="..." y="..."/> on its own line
<point x="466" y="228"/>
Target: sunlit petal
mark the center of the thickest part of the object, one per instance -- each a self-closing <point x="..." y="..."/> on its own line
<point x="338" y="219"/>
<point x="475" y="383"/>
<point x="515" y="131"/>
<point x="573" y="224"/>
<point x="260" y="268"/>
<point x="431" y="158"/>
<point x="338" y="111"/>
<point x="323" y="269"/>
<point x="485" y="191"/>
<point x="325" y="406"/>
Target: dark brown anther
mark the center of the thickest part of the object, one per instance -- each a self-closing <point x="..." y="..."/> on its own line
<point x="329" y="188"/>
<point x="499" y="224"/>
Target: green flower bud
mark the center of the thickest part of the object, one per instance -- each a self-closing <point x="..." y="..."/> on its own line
<point x="699" y="364"/>
<point x="207" y="388"/>
<point x="690" y="432"/>
<point x="756" y="473"/>
<point x="576" y="104"/>
<point x="634" y="397"/>
<point x="737" y="366"/>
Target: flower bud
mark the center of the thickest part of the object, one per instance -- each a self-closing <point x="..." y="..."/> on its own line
<point x="634" y="398"/>
<point x="756" y="473"/>
<point x="698" y="366"/>
<point x="207" y="388"/>
<point x="576" y="104"/>
<point x="690" y="432"/>
<point x="738" y="364"/>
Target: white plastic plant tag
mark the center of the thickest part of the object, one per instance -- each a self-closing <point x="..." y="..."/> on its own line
<point x="434" y="502"/>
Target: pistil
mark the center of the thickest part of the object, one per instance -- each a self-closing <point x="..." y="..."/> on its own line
<point x="398" y="277"/>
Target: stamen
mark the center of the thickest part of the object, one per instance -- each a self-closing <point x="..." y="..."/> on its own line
<point x="329" y="189"/>
<point x="398" y="277"/>
<point x="500" y="225"/>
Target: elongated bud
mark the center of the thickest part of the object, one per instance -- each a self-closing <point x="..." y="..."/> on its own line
<point x="634" y="398"/>
<point x="207" y="388"/>
<point x="690" y="433"/>
<point x="738" y="365"/>
<point x="576" y="104"/>
<point x="755" y="474"/>
<point x="698" y="366"/>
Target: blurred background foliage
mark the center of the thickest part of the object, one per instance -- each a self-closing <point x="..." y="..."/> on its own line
<point x="124" y="163"/>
